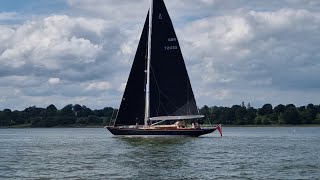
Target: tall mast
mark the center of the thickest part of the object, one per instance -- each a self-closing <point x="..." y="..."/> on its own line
<point x="147" y="108"/>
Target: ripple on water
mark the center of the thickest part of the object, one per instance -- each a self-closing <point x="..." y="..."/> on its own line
<point x="243" y="153"/>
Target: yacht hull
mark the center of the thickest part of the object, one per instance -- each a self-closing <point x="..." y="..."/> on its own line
<point x="160" y="132"/>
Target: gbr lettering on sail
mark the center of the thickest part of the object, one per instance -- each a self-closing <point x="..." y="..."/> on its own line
<point x="171" y="47"/>
<point x="170" y="40"/>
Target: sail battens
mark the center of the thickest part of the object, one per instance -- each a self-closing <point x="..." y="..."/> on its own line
<point x="161" y="118"/>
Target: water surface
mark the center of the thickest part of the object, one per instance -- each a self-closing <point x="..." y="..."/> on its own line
<point x="93" y="153"/>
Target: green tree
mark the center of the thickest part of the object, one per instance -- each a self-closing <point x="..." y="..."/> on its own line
<point x="312" y="110"/>
<point x="265" y="110"/>
<point x="250" y="116"/>
<point x="258" y="120"/>
<point x="109" y="113"/>
<point x="34" y="111"/>
<point x="291" y="116"/>
<point x="231" y="114"/>
<point x="66" y="120"/>
<point x="306" y="117"/>
<point x="17" y="117"/>
<point x="67" y="110"/>
<point x="77" y="108"/>
<point x="51" y="110"/>
<point x="85" y="112"/>
<point x="92" y="119"/>
<point x="265" y="121"/>
<point x="290" y="106"/>
<point x="5" y="117"/>
<point x="205" y="110"/>
<point x="226" y="116"/>
<point x="216" y="114"/>
<point x="279" y="109"/>
<point x="240" y="115"/>
<point x="274" y="118"/>
<point x="301" y="108"/>
<point x="52" y="107"/>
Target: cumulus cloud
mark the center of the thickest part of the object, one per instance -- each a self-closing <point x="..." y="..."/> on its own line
<point x="256" y="49"/>
<point x="53" y="42"/>
<point x="234" y="50"/>
<point x="55" y="49"/>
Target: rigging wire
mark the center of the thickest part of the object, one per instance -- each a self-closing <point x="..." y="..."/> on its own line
<point x="164" y="95"/>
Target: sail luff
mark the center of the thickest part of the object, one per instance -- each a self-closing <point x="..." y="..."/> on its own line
<point x="147" y="99"/>
<point x="132" y="107"/>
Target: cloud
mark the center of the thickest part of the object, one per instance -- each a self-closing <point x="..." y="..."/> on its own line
<point x="20" y="81"/>
<point x="54" y="81"/>
<point x="252" y="51"/>
<point x="53" y="43"/>
<point x="8" y="15"/>
<point x="98" y="86"/>
<point x="54" y="55"/>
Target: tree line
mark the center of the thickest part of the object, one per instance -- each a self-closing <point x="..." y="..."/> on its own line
<point x="247" y="115"/>
<point x="78" y="115"/>
<point x="51" y="116"/>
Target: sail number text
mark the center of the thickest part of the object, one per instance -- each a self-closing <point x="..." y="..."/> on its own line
<point x="171" y="47"/>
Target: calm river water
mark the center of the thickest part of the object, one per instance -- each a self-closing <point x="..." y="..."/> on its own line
<point x="93" y="153"/>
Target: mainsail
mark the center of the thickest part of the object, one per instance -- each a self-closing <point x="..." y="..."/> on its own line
<point x="170" y="90"/>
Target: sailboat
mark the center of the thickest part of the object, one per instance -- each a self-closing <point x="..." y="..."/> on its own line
<point x="158" y="98"/>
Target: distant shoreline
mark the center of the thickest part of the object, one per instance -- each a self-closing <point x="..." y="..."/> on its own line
<point x="21" y="126"/>
<point x="77" y="116"/>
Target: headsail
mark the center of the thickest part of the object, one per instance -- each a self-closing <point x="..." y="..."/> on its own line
<point x="131" y="110"/>
<point x="170" y="89"/>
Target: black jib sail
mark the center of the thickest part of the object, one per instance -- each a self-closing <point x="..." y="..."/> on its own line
<point x="131" y="110"/>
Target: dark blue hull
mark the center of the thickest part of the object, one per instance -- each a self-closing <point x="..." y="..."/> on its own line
<point x="159" y="132"/>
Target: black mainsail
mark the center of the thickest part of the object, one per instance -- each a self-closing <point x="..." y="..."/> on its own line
<point x="170" y="90"/>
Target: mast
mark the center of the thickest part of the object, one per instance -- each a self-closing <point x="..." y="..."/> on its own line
<point x="147" y="104"/>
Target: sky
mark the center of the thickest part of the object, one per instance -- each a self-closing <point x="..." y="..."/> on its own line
<point x="80" y="51"/>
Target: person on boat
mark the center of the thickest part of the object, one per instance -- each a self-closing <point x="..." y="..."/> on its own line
<point x="195" y="126"/>
<point x="180" y="124"/>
